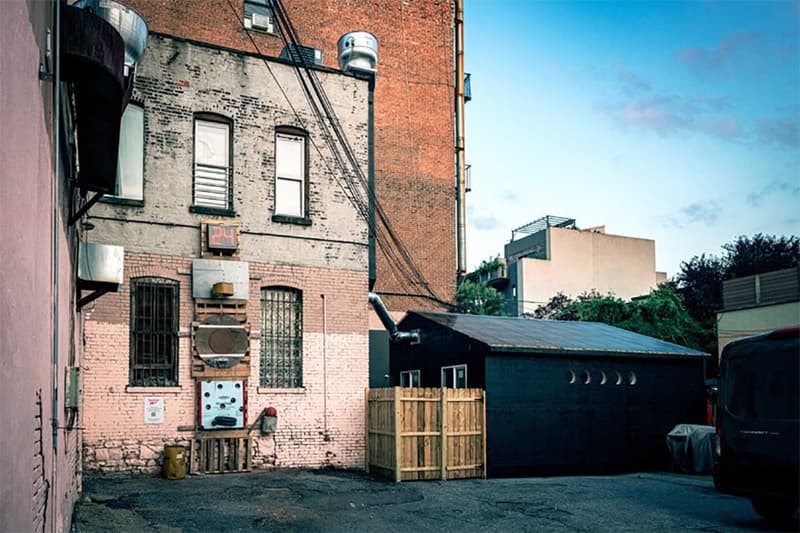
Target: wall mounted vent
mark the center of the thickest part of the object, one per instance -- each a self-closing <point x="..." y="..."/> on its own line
<point x="301" y="54"/>
<point x="221" y="341"/>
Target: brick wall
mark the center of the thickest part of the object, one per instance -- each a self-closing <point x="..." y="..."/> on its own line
<point x="320" y="424"/>
<point x="414" y="127"/>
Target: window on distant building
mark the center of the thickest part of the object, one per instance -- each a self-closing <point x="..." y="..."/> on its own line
<point x="212" y="163"/>
<point x="154" y="332"/>
<point x="281" y="337"/>
<point x="258" y="16"/>
<point x="454" y="377"/>
<point x="409" y="378"/>
<point x="130" y="161"/>
<point x="290" y="175"/>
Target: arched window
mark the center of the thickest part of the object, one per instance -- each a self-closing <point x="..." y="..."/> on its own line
<point x="154" y="332"/>
<point x="281" y="337"/>
<point x="213" y="168"/>
<point x="291" y="173"/>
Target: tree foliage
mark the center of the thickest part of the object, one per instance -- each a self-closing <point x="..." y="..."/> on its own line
<point x="479" y="299"/>
<point x="760" y="253"/>
<point x="661" y="314"/>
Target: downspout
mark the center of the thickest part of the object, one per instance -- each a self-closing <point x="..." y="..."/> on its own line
<point x="56" y="251"/>
<point x="395" y="334"/>
<point x="325" y="435"/>
<point x="373" y="275"/>
<point x="461" y="186"/>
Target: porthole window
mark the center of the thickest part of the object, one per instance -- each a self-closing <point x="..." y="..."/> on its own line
<point x="619" y="378"/>
<point x="570" y="377"/>
<point x="632" y="378"/>
<point x="603" y="378"/>
<point x="586" y="377"/>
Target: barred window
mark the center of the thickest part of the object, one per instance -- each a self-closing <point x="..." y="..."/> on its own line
<point x="281" y="337"/>
<point x="154" y="332"/>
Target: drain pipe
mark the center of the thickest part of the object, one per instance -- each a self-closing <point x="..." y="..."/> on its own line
<point x="461" y="187"/>
<point x="388" y="322"/>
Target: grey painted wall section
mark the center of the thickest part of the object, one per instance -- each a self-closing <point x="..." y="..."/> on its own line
<point x="177" y="79"/>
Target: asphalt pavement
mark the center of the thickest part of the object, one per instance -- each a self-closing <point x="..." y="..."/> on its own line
<point x="341" y="501"/>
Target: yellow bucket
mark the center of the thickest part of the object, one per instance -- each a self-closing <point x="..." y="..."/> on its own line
<point x="174" y="462"/>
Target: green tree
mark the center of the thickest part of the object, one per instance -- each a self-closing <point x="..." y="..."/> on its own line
<point x="661" y="314"/>
<point x="760" y="253"/>
<point x="479" y="299"/>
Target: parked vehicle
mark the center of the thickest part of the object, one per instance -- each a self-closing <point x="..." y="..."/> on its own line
<point x="758" y="422"/>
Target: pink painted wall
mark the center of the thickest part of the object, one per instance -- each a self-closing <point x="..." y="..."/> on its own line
<point x="39" y="478"/>
<point x="319" y="424"/>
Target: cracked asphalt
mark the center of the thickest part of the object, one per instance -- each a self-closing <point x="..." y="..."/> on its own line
<point x="339" y="501"/>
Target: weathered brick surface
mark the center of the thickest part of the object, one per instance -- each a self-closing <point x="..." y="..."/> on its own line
<point x="414" y="127"/>
<point x="320" y="424"/>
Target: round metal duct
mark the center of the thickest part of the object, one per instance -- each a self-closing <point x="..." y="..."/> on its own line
<point x="221" y="341"/>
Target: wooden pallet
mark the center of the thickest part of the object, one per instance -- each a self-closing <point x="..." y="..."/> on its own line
<point x="222" y="452"/>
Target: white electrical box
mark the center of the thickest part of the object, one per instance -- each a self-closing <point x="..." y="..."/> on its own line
<point x="221" y="404"/>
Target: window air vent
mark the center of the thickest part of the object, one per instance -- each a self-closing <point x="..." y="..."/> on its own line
<point x="302" y="54"/>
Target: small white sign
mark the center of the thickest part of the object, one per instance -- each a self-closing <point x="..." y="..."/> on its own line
<point x="153" y="410"/>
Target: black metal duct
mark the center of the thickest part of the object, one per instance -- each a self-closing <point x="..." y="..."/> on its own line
<point x="92" y="58"/>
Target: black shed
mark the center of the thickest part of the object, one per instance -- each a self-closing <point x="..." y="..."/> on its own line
<point x="561" y="397"/>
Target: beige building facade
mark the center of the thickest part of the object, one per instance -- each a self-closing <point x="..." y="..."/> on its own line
<point x="557" y="257"/>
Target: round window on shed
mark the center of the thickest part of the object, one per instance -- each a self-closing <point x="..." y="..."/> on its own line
<point x="619" y="378"/>
<point x="586" y="377"/>
<point x="603" y="378"/>
<point x="632" y="378"/>
<point x="570" y="377"/>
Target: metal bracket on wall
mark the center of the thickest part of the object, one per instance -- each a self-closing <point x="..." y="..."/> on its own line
<point x="90" y="297"/>
<point x="77" y="216"/>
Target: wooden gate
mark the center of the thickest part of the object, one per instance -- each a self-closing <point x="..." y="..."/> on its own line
<point x="415" y="433"/>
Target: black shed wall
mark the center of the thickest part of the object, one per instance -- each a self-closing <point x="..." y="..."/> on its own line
<point x="540" y="423"/>
<point x="440" y="347"/>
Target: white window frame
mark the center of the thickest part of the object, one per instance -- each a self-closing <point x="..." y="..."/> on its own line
<point x="212" y="180"/>
<point x="130" y="157"/>
<point x="410" y="378"/>
<point x="299" y="179"/>
<point x="454" y="369"/>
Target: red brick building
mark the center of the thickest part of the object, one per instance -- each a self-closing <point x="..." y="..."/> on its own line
<point x="414" y="124"/>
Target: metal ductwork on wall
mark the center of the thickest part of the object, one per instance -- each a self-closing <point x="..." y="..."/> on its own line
<point x="388" y="322"/>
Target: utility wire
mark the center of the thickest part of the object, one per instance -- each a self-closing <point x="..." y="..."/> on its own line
<point x="407" y="273"/>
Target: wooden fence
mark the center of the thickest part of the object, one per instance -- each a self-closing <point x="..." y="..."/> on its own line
<point x="415" y="433"/>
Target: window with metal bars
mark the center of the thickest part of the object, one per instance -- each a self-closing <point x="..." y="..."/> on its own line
<point x="212" y="162"/>
<point x="154" y="332"/>
<point x="281" y="337"/>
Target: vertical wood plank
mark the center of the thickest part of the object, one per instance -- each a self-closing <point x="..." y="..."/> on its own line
<point x="443" y="403"/>
<point x="397" y="439"/>
<point x="367" y="437"/>
<point x="248" y="453"/>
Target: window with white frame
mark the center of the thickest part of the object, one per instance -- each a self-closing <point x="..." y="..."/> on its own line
<point x="281" y="337"/>
<point x="290" y="175"/>
<point x="454" y="377"/>
<point x="258" y="16"/>
<point x="409" y="378"/>
<point x="130" y="161"/>
<point x="212" y="163"/>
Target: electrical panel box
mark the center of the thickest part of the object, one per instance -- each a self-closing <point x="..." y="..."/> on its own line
<point x="221" y="404"/>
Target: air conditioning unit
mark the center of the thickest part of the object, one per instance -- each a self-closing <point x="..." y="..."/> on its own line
<point x="221" y="404"/>
<point x="302" y="54"/>
<point x="100" y="266"/>
<point x="221" y="341"/>
<point x="258" y="21"/>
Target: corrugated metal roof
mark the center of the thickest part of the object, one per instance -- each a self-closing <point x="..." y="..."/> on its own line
<point x="548" y="336"/>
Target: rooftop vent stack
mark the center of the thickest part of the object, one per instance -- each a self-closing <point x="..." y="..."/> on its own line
<point x="131" y="27"/>
<point x="358" y="51"/>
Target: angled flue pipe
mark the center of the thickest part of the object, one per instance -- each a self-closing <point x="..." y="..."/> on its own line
<point x="388" y="322"/>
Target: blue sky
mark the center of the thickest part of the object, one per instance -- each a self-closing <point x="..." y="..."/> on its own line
<point x="672" y="121"/>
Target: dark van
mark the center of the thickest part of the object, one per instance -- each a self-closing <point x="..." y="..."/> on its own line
<point x="758" y="422"/>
